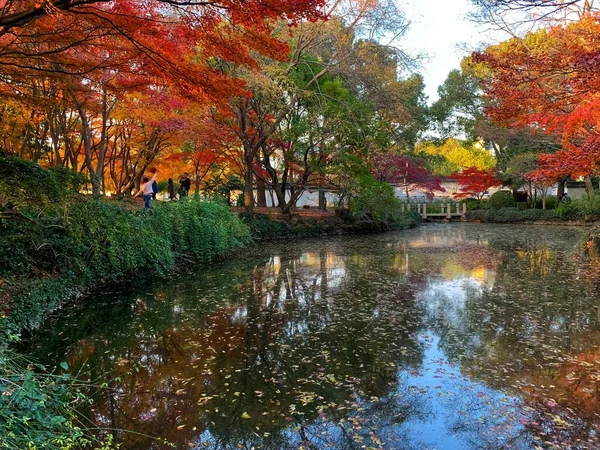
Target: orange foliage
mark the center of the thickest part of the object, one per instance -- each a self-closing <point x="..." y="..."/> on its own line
<point x="548" y="81"/>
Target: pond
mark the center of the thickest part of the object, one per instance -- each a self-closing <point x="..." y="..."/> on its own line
<point x="449" y="336"/>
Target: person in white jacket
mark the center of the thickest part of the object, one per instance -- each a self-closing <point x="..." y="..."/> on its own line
<point x="146" y="189"/>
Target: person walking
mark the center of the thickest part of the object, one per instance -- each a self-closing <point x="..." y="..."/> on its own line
<point x="146" y="188"/>
<point x="171" y="189"/>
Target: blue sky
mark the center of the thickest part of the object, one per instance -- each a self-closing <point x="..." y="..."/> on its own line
<point x="440" y="30"/>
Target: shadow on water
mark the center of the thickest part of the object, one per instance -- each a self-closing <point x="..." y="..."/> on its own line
<point x="448" y="336"/>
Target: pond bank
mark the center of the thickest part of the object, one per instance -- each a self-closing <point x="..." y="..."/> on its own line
<point x="81" y="244"/>
<point x="527" y="216"/>
<point x="298" y="225"/>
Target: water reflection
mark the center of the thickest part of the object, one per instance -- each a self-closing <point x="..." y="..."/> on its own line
<point x="449" y="336"/>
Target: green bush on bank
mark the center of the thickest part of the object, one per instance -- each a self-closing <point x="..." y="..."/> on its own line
<point x="501" y="199"/>
<point x="83" y="242"/>
<point x="512" y="215"/>
<point x="55" y="243"/>
<point x="26" y="185"/>
<point x="262" y="227"/>
<point x="35" y="407"/>
<point x="473" y="203"/>
<point x="373" y="204"/>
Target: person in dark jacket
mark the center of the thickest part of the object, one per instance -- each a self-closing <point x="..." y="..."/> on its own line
<point x="171" y="189"/>
<point x="185" y="184"/>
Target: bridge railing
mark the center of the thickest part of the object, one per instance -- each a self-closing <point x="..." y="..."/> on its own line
<point x="447" y="210"/>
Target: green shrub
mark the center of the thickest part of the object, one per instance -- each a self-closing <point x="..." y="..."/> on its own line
<point x="572" y="210"/>
<point x="36" y="408"/>
<point x="522" y="206"/>
<point x="27" y="186"/>
<point x="378" y="201"/>
<point x="473" y="203"/>
<point x="82" y="242"/>
<point x="477" y="215"/>
<point x="501" y="199"/>
<point x="512" y="215"/>
<point x="551" y="202"/>
<point x="262" y="227"/>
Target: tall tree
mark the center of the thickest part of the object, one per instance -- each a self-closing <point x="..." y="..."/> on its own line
<point x="90" y="53"/>
<point x="320" y="48"/>
<point x="547" y="81"/>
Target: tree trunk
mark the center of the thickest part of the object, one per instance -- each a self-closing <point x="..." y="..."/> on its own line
<point x="87" y="145"/>
<point x="589" y="187"/>
<point x="560" y="190"/>
<point x="248" y="188"/>
<point x="261" y="200"/>
<point x="322" y="201"/>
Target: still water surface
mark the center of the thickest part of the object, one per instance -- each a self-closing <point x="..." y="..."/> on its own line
<point x="455" y="336"/>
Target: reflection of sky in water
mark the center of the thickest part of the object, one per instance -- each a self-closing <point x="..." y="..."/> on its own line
<point x="457" y="406"/>
<point x="447" y="298"/>
<point x="453" y="401"/>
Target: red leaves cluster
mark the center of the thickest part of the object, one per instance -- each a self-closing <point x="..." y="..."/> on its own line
<point x="549" y="82"/>
<point x="409" y="173"/>
<point x="474" y="182"/>
<point x="135" y="42"/>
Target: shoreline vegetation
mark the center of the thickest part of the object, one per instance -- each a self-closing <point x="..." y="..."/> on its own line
<point x="502" y="207"/>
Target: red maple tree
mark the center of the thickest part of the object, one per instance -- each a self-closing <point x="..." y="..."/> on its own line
<point x="474" y="182"/>
<point x="407" y="173"/>
<point x="548" y="82"/>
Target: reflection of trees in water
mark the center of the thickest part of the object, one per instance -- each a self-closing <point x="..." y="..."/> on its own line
<point x="309" y="345"/>
<point x="271" y="356"/>
<point x="527" y="332"/>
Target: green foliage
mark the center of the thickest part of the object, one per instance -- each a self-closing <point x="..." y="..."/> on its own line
<point x="522" y="205"/>
<point x="501" y="199"/>
<point x="36" y="409"/>
<point x="551" y="202"/>
<point x="78" y="242"/>
<point x="473" y="204"/>
<point x="162" y="185"/>
<point x="375" y="199"/>
<point x="262" y="227"/>
<point x="26" y="185"/>
<point x="579" y="208"/>
<point x="513" y="215"/>
<point x="200" y="230"/>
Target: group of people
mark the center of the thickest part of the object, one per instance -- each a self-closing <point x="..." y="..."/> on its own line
<point x="149" y="188"/>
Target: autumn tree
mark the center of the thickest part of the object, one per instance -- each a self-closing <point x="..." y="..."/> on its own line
<point x="513" y="15"/>
<point x="453" y="155"/>
<point x="408" y="173"/>
<point x="91" y="54"/>
<point x="547" y="81"/>
<point x="475" y="182"/>
<point x="321" y="48"/>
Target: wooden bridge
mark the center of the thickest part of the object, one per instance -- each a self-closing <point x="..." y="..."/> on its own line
<point x="437" y="210"/>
